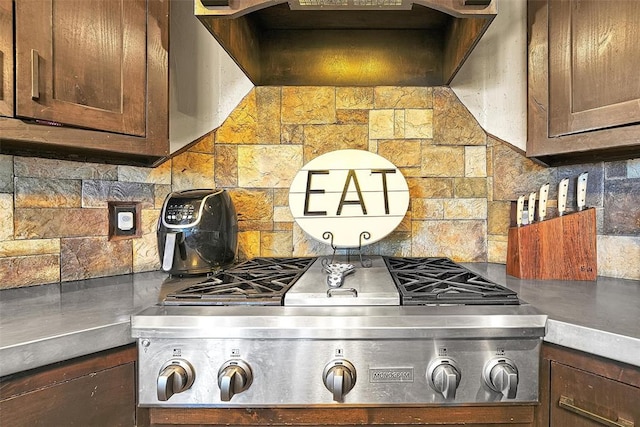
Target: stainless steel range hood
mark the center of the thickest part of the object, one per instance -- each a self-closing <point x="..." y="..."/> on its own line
<point x="348" y="42"/>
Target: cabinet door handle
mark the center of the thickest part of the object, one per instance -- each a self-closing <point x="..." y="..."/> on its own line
<point x="35" y="74"/>
<point x="567" y="403"/>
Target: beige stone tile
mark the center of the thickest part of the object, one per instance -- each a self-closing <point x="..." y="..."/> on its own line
<point x="465" y="209"/>
<point x="308" y="105"/>
<point x="97" y="193"/>
<point x="248" y="245"/>
<point x="62" y="169"/>
<point x="373" y="145"/>
<point x="475" y="161"/>
<point x="255" y="224"/>
<point x="253" y="204"/>
<point x="192" y="170"/>
<point x="6" y="174"/>
<point x="282" y="226"/>
<point x="418" y="123"/>
<point x="401" y="153"/>
<point x="470" y="187"/>
<point x="304" y="245"/>
<point x="278" y="243"/>
<point x="159" y="175"/>
<point x="268" y="103"/>
<point x="514" y="174"/>
<point x="241" y="126"/>
<point x="41" y="223"/>
<point x="427" y="209"/>
<point x="395" y="244"/>
<point x="618" y="256"/>
<point x="204" y="144"/>
<point x="282" y="214"/>
<point x="6" y="219"/>
<point x="430" y="188"/>
<point x="462" y="241"/>
<point x="399" y="124"/>
<point x="382" y="124"/>
<point x="292" y="134"/>
<point x="403" y="97"/>
<point x="321" y="139"/>
<point x="47" y="193"/>
<point x="261" y="166"/>
<point x="281" y="197"/>
<point x="453" y="124"/>
<point x="499" y="218"/>
<point x="87" y="257"/>
<point x="149" y="220"/>
<point x="442" y="161"/>
<point x="160" y="193"/>
<point x="354" y="98"/>
<point x="497" y="249"/>
<point x="16" y="272"/>
<point x="145" y="253"/>
<point x="17" y="248"/>
<point x="353" y="117"/>
<point x="226" y="166"/>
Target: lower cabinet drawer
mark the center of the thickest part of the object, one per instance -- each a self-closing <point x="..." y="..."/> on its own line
<point x="579" y="398"/>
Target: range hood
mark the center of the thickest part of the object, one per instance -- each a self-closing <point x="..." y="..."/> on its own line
<point x="347" y="42"/>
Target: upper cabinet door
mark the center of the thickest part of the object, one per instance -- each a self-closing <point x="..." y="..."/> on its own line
<point x="82" y="63"/>
<point x="6" y="58"/>
<point x="594" y="56"/>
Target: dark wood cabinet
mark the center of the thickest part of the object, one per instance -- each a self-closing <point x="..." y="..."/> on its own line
<point x="583" y="89"/>
<point x="470" y="416"/>
<point x="6" y="58"/>
<point x="95" y="390"/>
<point x="82" y="66"/>
<point x="91" y="80"/>
<point x="583" y="390"/>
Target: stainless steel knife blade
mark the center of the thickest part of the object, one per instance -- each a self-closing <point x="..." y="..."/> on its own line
<point x="519" y="210"/>
<point x="563" y="190"/>
<point x="542" y="202"/>
<point x="581" y="196"/>
<point x="532" y="206"/>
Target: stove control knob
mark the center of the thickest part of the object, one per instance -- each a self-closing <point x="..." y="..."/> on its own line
<point x="176" y="376"/>
<point x="444" y="377"/>
<point x="234" y="377"/>
<point x="501" y="375"/>
<point x="339" y="377"/>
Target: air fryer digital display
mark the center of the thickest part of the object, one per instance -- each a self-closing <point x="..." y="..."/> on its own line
<point x="182" y="211"/>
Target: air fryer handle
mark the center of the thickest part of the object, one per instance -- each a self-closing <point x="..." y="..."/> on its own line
<point x="170" y="241"/>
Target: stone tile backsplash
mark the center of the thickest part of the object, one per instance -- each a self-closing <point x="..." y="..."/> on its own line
<point x="461" y="180"/>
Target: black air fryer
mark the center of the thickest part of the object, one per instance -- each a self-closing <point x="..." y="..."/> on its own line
<point x="197" y="232"/>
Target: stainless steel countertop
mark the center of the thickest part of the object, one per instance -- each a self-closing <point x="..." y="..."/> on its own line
<point x="601" y="318"/>
<point x="50" y="323"/>
<point x="45" y="324"/>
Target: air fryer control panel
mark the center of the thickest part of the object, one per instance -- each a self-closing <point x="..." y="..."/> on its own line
<point x="181" y="211"/>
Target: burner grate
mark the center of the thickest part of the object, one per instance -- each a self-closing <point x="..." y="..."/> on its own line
<point x="440" y="281"/>
<point x="259" y="281"/>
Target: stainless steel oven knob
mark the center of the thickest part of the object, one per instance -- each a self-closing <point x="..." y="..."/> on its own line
<point x="501" y="375"/>
<point x="339" y="377"/>
<point x="234" y="377"/>
<point x="176" y="376"/>
<point x="444" y="377"/>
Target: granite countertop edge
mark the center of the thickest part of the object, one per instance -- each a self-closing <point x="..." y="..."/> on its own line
<point x="67" y="333"/>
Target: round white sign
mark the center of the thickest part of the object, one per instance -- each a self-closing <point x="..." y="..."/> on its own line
<point x="349" y="198"/>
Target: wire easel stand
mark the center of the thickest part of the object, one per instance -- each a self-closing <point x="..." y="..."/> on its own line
<point x="364" y="262"/>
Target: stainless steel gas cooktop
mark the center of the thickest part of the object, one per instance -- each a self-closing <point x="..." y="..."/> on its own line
<point x="384" y="281"/>
<point x="290" y="332"/>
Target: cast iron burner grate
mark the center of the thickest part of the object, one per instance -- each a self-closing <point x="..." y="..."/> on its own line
<point x="259" y="281"/>
<point x="440" y="281"/>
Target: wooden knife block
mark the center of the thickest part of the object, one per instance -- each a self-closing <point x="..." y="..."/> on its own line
<point x="562" y="248"/>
